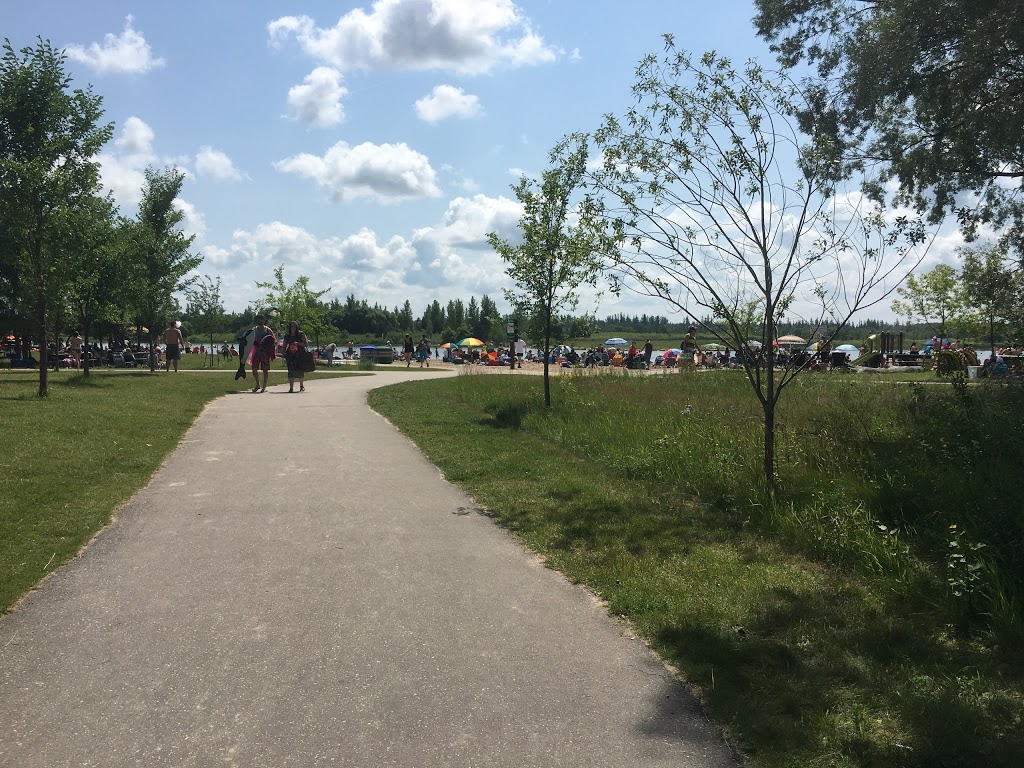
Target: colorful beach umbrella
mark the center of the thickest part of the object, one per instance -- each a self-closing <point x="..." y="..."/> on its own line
<point x="469" y="342"/>
<point x="791" y="340"/>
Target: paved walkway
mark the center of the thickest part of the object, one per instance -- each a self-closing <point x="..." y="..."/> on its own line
<point x="298" y="586"/>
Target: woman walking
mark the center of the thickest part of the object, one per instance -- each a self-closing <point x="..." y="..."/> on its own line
<point x="295" y="342"/>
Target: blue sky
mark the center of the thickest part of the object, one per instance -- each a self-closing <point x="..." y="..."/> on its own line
<point x="369" y="146"/>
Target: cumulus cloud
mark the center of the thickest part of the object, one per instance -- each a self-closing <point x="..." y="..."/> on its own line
<point x="122" y="170"/>
<point x="441" y="250"/>
<point x="386" y="173"/>
<point x="467" y="221"/>
<point x="451" y="258"/>
<point x="465" y="37"/>
<point x="127" y="53"/>
<point x="448" y="101"/>
<point x="216" y="164"/>
<point x="317" y="101"/>
<point x="135" y="139"/>
<point x="194" y="222"/>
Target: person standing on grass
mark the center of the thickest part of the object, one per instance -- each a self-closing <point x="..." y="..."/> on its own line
<point x="75" y="342"/>
<point x="407" y="350"/>
<point x="295" y="343"/>
<point x="263" y="351"/>
<point x="173" y="339"/>
<point x="690" y="347"/>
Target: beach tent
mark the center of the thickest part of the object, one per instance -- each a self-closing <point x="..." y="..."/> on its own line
<point x="618" y="341"/>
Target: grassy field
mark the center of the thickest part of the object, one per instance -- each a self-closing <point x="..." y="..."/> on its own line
<point x="844" y="625"/>
<point x="70" y="459"/>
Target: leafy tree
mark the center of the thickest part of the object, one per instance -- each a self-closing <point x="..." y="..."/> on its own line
<point x="488" y="320"/>
<point x="717" y="206"/>
<point x="555" y="255"/>
<point x="937" y="298"/>
<point x="404" y="317"/>
<point x="931" y="90"/>
<point x="93" y="246"/>
<point x="993" y="291"/>
<point x="456" y="316"/>
<point x="473" y="317"/>
<point x="205" y="309"/>
<point x="297" y="302"/>
<point x="436" y="317"/>
<point x="161" y="252"/>
<point x="49" y="135"/>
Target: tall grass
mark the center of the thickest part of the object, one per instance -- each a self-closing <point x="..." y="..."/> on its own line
<point x="817" y="630"/>
<point x="872" y="474"/>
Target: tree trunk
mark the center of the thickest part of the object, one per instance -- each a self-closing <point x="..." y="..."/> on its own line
<point x="769" y="446"/>
<point x="547" y="357"/>
<point x="769" y="424"/>
<point x="44" y="371"/>
<point x="152" y="357"/>
<point x="85" y="346"/>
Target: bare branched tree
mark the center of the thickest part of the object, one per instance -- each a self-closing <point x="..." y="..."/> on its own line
<point x="718" y="206"/>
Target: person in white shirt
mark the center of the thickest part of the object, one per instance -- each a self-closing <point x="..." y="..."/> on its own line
<point x="520" y="351"/>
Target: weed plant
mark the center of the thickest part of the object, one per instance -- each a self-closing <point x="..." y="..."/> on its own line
<point x="845" y="624"/>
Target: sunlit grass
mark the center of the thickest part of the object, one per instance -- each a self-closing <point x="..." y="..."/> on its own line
<point x="70" y="459"/>
<point x="815" y="636"/>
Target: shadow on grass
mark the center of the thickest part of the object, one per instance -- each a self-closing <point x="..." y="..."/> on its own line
<point x="770" y="684"/>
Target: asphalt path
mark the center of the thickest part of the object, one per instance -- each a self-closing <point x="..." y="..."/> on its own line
<point x="299" y="586"/>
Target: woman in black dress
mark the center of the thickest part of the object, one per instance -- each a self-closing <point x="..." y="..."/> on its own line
<point x="295" y="342"/>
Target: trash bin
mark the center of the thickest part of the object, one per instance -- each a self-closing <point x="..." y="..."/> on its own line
<point x="384" y="355"/>
<point x="368" y="353"/>
<point x="972" y="371"/>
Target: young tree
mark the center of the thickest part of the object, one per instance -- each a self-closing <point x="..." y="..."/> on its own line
<point x="992" y="289"/>
<point x="937" y="298"/>
<point x="932" y="91"/>
<point x="161" y="252"/>
<point x="49" y="136"/>
<point x="297" y="302"/>
<point x="556" y="253"/>
<point x="205" y="309"/>
<point x="93" y="245"/>
<point x="719" y="208"/>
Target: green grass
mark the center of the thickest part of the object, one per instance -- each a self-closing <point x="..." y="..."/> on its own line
<point x="815" y="637"/>
<point x="71" y="458"/>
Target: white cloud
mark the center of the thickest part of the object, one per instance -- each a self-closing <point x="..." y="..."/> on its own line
<point x="464" y="227"/>
<point x="468" y="220"/>
<point x="194" y="222"/>
<point x="317" y="101"/>
<point x="466" y="36"/>
<point x="386" y="173"/>
<point x="127" y="53"/>
<point x="122" y="170"/>
<point x="214" y="163"/>
<point x="136" y="139"/>
<point x="448" y="101"/>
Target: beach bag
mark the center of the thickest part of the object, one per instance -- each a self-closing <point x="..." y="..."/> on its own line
<point x="308" y="361"/>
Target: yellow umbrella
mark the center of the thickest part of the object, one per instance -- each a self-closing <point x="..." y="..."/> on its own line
<point x="469" y="342"/>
